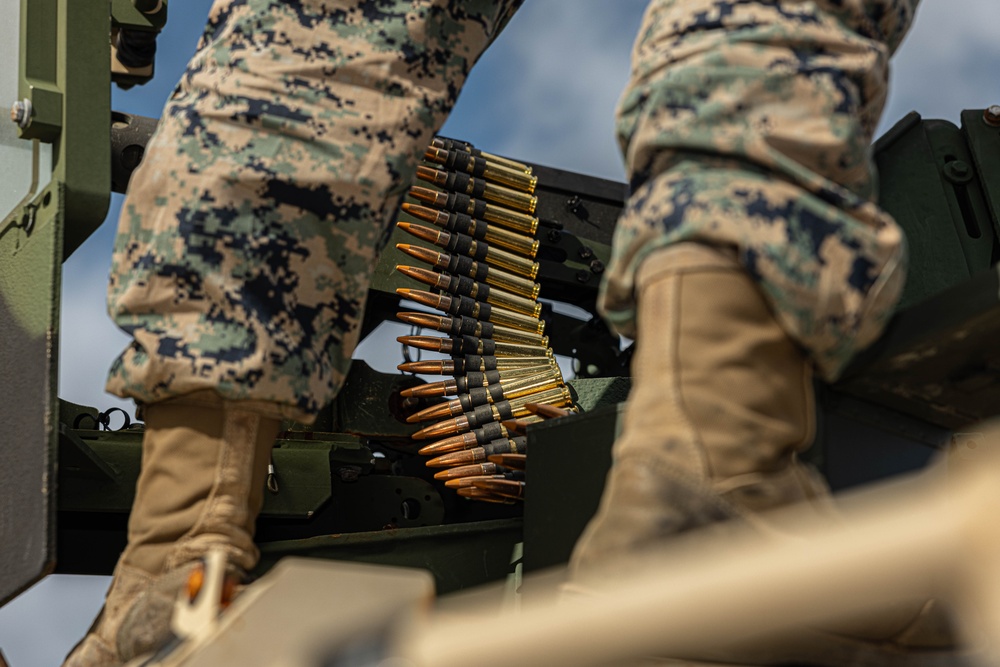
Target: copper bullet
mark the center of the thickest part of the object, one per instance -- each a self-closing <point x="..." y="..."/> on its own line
<point x="462" y="161"/>
<point x="479" y="188"/>
<point x="547" y="411"/>
<point x="452" y="144"/>
<point x="476" y="469"/>
<point x="511" y="460"/>
<point x="465" y="325"/>
<point x="479" y="494"/>
<point x="460" y="305"/>
<point x="496" y="412"/>
<point x="520" y="426"/>
<point x="451" y="444"/>
<point x="464" y="384"/>
<point x="471" y="345"/>
<point x="478" y="250"/>
<point x="502" y="487"/>
<point x="477" y="229"/>
<point x="482" y="395"/>
<point x="479" y="454"/>
<point x="472" y="363"/>
<point x="477" y="208"/>
<point x="466" y="266"/>
<point x="465" y="286"/>
<point x="466" y="481"/>
<point x="485" y="435"/>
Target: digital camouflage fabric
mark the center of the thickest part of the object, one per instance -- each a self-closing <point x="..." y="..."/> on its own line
<point x="247" y="241"/>
<point x="250" y="232"/>
<point x="748" y="125"/>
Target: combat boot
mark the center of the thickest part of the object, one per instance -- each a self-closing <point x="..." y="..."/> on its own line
<point x="722" y="403"/>
<point x="204" y="465"/>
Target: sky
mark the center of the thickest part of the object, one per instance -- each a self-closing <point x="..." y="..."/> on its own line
<point x="544" y="93"/>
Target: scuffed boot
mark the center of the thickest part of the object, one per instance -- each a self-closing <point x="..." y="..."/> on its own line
<point x="204" y="465"/>
<point x="721" y="405"/>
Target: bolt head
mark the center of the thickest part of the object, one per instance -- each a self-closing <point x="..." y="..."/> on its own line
<point x="20" y="113"/>
<point x="992" y="115"/>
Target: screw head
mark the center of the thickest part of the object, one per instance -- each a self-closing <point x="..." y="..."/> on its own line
<point x="992" y="115"/>
<point x="958" y="171"/>
<point x="20" y="113"/>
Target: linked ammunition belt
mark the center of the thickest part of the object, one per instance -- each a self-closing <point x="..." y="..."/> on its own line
<point x="480" y="209"/>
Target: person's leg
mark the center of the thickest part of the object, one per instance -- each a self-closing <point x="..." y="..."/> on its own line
<point x="204" y="462"/>
<point x="244" y="254"/>
<point x="251" y="229"/>
<point x="750" y="251"/>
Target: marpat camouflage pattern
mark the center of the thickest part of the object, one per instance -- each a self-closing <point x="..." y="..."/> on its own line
<point x="749" y="125"/>
<point x="250" y="232"/>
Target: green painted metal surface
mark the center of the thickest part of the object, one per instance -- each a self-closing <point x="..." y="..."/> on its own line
<point x="65" y="74"/>
<point x="30" y="269"/>
<point x="458" y="555"/>
<point x="933" y="186"/>
<point x="569" y="460"/>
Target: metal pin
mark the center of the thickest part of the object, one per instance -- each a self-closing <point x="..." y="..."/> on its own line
<point x="272" y="477"/>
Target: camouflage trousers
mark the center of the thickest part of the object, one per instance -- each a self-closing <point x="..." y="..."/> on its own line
<point x="247" y="240"/>
<point x="748" y="125"/>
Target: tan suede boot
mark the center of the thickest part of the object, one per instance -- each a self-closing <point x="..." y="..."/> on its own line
<point x="204" y="464"/>
<point x="721" y="404"/>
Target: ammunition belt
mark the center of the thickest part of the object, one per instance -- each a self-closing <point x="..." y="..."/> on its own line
<point x="479" y="209"/>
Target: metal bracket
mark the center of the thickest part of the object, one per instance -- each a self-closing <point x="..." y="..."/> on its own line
<point x="64" y="56"/>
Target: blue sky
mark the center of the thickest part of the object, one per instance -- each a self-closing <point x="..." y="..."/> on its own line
<point x="545" y="93"/>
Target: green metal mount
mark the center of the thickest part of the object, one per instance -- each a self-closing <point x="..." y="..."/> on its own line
<point x="65" y="87"/>
<point x="935" y="181"/>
